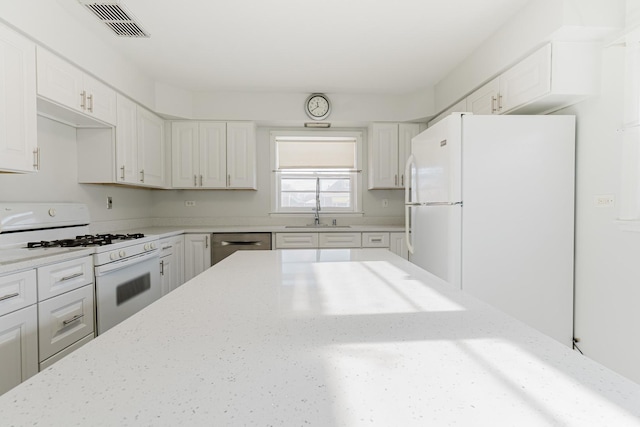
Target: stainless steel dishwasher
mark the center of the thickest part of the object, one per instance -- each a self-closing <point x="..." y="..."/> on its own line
<point x="224" y="244"/>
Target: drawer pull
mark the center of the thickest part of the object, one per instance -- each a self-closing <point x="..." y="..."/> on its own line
<point x="73" y="276"/>
<point x="378" y="240"/>
<point x="73" y="319"/>
<point x="6" y="297"/>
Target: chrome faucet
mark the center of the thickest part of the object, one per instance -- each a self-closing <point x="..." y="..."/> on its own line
<point x="316" y="220"/>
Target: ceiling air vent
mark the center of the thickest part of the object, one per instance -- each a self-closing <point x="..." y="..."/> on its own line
<point x="116" y="16"/>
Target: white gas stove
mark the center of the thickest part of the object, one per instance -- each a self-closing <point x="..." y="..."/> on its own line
<point x="126" y="269"/>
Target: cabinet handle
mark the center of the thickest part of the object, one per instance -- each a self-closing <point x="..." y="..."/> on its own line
<point x="206" y="242"/>
<point x="36" y="158"/>
<point x="493" y="104"/>
<point x="162" y="268"/>
<point x="6" y="297"/>
<point x="122" y="169"/>
<point x="402" y="180"/>
<point x="72" y="276"/>
<point x="90" y="99"/>
<point x="195" y="180"/>
<point x="499" y="102"/>
<point x="73" y="319"/>
<point x="379" y="240"/>
<point x="200" y="180"/>
<point x="83" y="100"/>
<point x="142" y="175"/>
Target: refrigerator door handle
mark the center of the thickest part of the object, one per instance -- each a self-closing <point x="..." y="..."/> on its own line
<point x="407" y="196"/>
<point x="439" y="204"/>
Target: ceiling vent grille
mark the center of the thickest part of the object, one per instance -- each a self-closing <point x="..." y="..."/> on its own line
<point x="115" y="16"/>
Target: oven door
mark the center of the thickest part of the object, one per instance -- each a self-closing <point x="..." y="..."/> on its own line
<point x="125" y="287"/>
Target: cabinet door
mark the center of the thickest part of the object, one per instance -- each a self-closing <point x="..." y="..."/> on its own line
<point x="406" y="132"/>
<point x="397" y="245"/>
<point x="17" y="291"/>
<point x="150" y="148"/>
<point x="485" y="99"/>
<point x="340" y="240"/>
<point x="65" y="319"/>
<point x="126" y="141"/>
<point x="101" y="100"/>
<point x="383" y="156"/>
<point x="166" y="274"/>
<point x="526" y="81"/>
<point x="18" y="347"/>
<point x="296" y="240"/>
<point x="241" y="155"/>
<point x="185" y="167"/>
<point x="18" y="139"/>
<point x="178" y="259"/>
<point x="213" y="155"/>
<point x="60" y="81"/>
<point x="197" y="254"/>
<point x="375" y="240"/>
<point x="56" y="279"/>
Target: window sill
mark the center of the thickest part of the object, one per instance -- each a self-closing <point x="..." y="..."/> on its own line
<point x="629" y="225"/>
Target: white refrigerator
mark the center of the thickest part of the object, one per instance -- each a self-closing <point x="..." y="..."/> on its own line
<point x="490" y="209"/>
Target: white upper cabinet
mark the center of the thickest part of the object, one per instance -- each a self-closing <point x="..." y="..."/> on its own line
<point x="485" y="100"/>
<point x="65" y="85"/>
<point x="389" y="148"/>
<point x="213" y="155"/>
<point x="132" y="154"/>
<point x="18" y="115"/>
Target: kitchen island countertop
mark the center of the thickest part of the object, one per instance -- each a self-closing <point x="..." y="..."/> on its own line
<point x="326" y="338"/>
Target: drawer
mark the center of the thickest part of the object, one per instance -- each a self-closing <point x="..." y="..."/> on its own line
<point x="296" y="240"/>
<point x="375" y="240"/>
<point x="56" y="279"/>
<point x="62" y="354"/>
<point x="65" y="319"/>
<point x="340" y="240"/>
<point x="17" y="290"/>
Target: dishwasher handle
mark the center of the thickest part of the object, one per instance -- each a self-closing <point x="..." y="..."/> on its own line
<point x="240" y="243"/>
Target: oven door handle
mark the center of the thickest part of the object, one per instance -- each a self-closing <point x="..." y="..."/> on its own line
<point x="118" y="265"/>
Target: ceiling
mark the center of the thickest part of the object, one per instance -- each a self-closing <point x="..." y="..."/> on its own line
<point x="334" y="46"/>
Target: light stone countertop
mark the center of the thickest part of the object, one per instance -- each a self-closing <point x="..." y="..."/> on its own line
<point x="163" y="232"/>
<point x="323" y="338"/>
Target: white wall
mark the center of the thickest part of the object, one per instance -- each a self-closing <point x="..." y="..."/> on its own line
<point x="226" y="207"/>
<point x="607" y="268"/>
<point x="57" y="181"/>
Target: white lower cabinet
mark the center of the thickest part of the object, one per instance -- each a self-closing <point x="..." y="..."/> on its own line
<point x="197" y="254"/>
<point x="296" y="240"/>
<point x="65" y="319"/>
<point x="18" y="347"/>
<point x="171" y="263"/>
<point x="340" y="240"/>
<point x="397" y="244"/>
<point x="326" y="240"/>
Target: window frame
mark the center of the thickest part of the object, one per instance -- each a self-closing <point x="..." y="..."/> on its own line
<point x="355" y="175"/>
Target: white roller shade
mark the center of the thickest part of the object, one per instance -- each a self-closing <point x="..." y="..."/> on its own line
<point x="316" y="153"/>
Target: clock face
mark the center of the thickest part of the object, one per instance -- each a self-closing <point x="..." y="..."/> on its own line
<point x="317" y="106"/>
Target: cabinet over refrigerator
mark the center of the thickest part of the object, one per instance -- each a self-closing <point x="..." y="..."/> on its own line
<point x="490" y="209"/>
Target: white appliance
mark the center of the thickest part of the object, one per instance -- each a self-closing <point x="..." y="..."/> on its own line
<point x="490" y="209"/>
<point x="127" y="266"/>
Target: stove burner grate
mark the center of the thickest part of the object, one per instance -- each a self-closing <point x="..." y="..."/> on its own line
<point x="86" y="240"/>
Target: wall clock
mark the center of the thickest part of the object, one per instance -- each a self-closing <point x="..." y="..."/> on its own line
<point x="317" y="106"/>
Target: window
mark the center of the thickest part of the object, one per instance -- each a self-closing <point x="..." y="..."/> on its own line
<point x="313" y="168"/>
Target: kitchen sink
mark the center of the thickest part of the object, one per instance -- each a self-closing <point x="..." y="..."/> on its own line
<point x="317" y="226"/>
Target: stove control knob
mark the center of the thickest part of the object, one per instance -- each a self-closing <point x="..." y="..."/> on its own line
<point x="153" y="245"/>
<point x="113" y="256"/>
<point x="147" y="247"/>
<point x="52" y="212"/>
<point x="122" y="254"/>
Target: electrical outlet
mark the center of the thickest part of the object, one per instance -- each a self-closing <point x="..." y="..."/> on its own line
<point x="385" y="203"/>
<point x="604" y="201"/>
<point x="190" y="203"/>
<point x="109" y="202"/>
